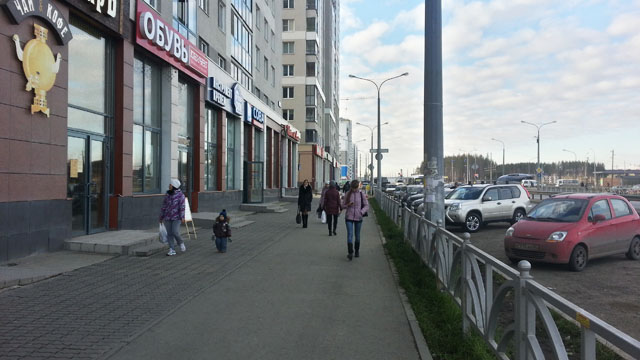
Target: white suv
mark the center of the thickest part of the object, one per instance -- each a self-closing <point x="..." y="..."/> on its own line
<point x="472" y="206"/>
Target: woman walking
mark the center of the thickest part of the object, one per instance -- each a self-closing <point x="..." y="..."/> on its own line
<point x="172" y="214"/>
<point x="356" y="204"/>
<point x="332" y="207"/>
<point x="305" y="196"/>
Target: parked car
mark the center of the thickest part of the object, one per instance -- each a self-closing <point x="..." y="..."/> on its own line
<point x="513" y="178"/>
<point x="529" y="183"/>
<point x="567" y="182"/>
<point x="474" y="205"/>
<point x="399" y="191"/>
<point x="575" y="228"/>
<point x="410" y="191"/>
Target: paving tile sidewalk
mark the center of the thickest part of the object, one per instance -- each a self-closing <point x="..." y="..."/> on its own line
<point x="280" y="292"/>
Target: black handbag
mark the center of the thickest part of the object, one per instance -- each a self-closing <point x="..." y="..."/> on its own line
<point x="298" y="218"/>
<point x="362" y="205"/>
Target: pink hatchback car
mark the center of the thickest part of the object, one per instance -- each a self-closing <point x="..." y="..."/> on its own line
<point x="571" y="229"/>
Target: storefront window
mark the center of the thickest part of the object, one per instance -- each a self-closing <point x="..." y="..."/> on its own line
<point x="87" y="78"/>
<point x="211" y="149"/>
<point x="232" y="127"/>
<point x="257" y="145"/>
<point x="146" y="128"/>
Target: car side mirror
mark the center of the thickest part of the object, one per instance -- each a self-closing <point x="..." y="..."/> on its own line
<point x="598" y="218"/>
<point x="487" y="198"/>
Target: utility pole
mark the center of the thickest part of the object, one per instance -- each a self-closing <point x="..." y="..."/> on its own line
<point x="433" y="130"/>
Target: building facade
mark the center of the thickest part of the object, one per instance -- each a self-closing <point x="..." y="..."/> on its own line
<point x="348" y="149"/>
<point x="105" y="102"/>
<point x="310" y="91"/>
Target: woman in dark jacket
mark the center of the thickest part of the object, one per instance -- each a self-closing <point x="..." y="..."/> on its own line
<point x="305" y="196"/>
<point x="332" y="207"/>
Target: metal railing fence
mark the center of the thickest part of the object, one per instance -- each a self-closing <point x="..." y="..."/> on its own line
<point x="506" y="306"/>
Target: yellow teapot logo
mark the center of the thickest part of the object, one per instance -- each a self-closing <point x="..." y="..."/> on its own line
<point x="40" y="68"/>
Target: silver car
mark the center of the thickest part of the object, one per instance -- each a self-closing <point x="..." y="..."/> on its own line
<point x="475" y="205"/>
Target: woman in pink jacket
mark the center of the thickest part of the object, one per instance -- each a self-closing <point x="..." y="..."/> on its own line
<point x="356" y="205"/>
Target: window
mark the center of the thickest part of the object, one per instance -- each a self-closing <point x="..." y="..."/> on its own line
<point x="273" y="41"/>
<point x="287" y="114"/>
<point x="231" y="155"/>
<point x="146" y="127"/>
<point x="273" y="76"/>
<point x="266" y="99"/>
<point x="311" y="69"/>
<point x="244" y="8"/>
<point x="266" y="68"/>
<point x="310" y="95"/>
<point x="287" y="70"/>
<point x="515" y="192"/>
<point x="311" y="47"/>
<point x="204" y="47"/>
<point x="242" y="43"/>
<point x="258" y="147"/>
<point x="311" y="5"/>
<point x="601" y="208"/>
<point x="257" y="92"/>
<point x="620" y="207"/>
<point x="310" y="114"/>
<point x="211" y="149"/>
<point x="310" y="136"/>
<point x="311" y="24"/>
<point x="288" y="47"/>
<point x="152" y="3"/>
<point x="258" y="55"/>
<point x="288" y="4"/>
<point x="266" y="33"/>
<point x="287" y="25"/>
<point x="287" y="92"/>
<point x="204" y="5"/>
<point x="491" y="194"/>
<point x="185" y="19"/>
<point x="222" y="15"/>
<point x="258" y="16"/>
<point x="505" y="194"/>
<point x="222" y="62"/>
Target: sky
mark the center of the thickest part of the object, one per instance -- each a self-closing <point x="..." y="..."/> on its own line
<point x="576" y="62"/>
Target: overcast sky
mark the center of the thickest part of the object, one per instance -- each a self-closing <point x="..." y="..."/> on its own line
<point x="576" y="62"/>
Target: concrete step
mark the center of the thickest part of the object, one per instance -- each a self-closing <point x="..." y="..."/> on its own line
<point x="235" y="224"/>
<point x="264" y="208"/>
<point x="150" y="249"/>
<point x="289" y="199"/>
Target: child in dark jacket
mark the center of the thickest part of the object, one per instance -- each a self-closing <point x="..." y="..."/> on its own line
<point x="222" y="231"/>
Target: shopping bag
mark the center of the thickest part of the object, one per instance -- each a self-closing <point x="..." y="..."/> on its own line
<point x="298" y="218"/>
<point x="324" y="217"/>
<point x="162" y="232"/>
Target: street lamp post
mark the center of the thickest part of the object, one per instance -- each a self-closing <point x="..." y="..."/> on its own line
<point x="371" y="165"/>
<point x="538" y="126"/>
<point x="575" y="159"/>
<point x="378" y="87"/>
<point x="502" y="142"/>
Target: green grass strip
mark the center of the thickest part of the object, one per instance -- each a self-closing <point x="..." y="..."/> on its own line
<point x="439" y="316"/>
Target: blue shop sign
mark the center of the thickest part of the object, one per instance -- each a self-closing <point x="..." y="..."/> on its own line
<point x="237" y="101"/>
<point x="218" y="93"/>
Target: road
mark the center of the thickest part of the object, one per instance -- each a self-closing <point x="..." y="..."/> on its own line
<point x="608" y="287"/>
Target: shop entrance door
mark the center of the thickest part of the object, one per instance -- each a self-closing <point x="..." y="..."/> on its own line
<point x="253" y="182"/>
<point x="184" y="171"/>
<point x="86" y="183"/>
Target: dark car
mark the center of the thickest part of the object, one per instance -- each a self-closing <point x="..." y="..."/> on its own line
<point x="514" y="178"/>
<point x="572" y="229"/>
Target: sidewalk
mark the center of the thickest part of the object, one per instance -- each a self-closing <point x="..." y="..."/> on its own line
<point x="281" y="292"/>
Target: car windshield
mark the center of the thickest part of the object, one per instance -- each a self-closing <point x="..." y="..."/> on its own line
<point x="465" y="193"/>
<point x="413" y="189"/>
<point x="558" y="210"/>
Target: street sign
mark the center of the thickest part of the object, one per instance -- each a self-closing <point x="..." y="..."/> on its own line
<point x="475" y="166"/>
<point x="378" y="156"/>
<point x="539" y="170"/>
<point x="370" y="167"/>
<point x="373" y="151"/>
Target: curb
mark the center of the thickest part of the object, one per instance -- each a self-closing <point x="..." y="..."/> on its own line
<point x="418" y="337"/>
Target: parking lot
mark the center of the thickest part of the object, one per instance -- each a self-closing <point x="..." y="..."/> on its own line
<point x="608" y="287"/>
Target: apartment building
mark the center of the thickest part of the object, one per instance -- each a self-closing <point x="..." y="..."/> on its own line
<point x="130" y="95"/>
<point x="310" y="91"/>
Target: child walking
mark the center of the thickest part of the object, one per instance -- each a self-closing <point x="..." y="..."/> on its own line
<point x="222" y="231"/>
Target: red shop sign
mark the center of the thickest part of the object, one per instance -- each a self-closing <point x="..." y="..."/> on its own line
<point x="155" y="35"/>
<point x="292" y="134"/>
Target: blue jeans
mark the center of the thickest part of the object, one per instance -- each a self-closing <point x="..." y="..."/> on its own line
<point x="173" y="231"/>
<point x="358" y="226"/>
<point x="221" y="244"/>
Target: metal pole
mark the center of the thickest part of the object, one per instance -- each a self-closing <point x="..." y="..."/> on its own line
<point x="378" y="157"/>
<point x="433" y="131"/>
<point x="539" y="173"/>
<point x="371" y="167"/>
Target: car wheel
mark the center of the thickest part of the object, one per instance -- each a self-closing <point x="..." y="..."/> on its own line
<point x="579" y="258"/>
<point x="518" y="215"/>
<point x="472" y="222"/>
<point x="513" y="260"/>
<point x="634" y="249"/>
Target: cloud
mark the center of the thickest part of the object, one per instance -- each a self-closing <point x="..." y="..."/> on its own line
<point x="625" y="24"/>
<point x="412" y="19"/>
<point x="348" y="19"/>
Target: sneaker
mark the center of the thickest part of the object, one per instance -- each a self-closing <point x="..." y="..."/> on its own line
<point x="183" y="248"/>
<point x="171" y="252"/>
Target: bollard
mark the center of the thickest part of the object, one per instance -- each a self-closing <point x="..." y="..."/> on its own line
<point x="523" y="312"/>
